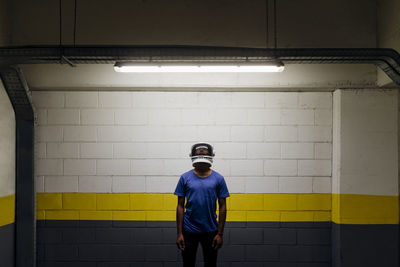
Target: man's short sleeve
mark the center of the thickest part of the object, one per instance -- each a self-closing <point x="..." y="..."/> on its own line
<point x="180" y="188"/>
<point x="222" y="190"/>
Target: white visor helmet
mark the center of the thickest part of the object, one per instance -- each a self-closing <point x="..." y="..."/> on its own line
<point x="202" y="158"/>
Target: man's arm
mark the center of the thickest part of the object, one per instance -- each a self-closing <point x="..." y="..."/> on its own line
<point x="218" y="239"/>
<point x="180" y="242"/>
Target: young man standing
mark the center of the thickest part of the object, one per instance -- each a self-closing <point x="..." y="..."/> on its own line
<point x="202" y="187"/>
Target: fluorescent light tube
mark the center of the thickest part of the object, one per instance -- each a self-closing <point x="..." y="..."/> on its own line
<point x="197" y="67"/>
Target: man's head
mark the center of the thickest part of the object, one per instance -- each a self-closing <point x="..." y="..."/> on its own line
<point x="202" y="154"/>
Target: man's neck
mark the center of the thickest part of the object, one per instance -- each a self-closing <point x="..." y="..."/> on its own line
<point x="202" y="173"/>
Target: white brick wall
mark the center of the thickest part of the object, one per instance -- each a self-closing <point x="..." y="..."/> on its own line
<point x="63" y="116"/>
<point x="96" y="184"/>
<point x="265" y="142"/>
<point x="123" y="184"/>
<point x="79" y="167"/>
<point x="62" y="150"/>
<point x="61" y="183"/>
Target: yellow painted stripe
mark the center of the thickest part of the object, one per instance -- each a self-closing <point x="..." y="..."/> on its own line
<point x="365" y="209"/>
<point x="162" y="207"/>
<point x="7" y="209"/>
<point x="347" y="209"/>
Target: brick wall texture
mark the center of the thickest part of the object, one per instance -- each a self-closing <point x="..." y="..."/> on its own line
<point x="138" y="142"/>
<point x="130" y="141"/>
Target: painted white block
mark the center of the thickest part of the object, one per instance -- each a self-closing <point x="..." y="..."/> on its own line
<point x="235" y="184"/>
<point x="198" y="116"/>
<point x="96" y="150"/>
<point x="186" y="146"/>
<point x="41" y="116"/>
<point x="281" y="100"/>
<point x="80" y="133"/>
<point x="177" y="166"/>
<point x="295" y="184"/>
<point x="130" y="150"/>
<point x="113" y="167"/>
<point x="247" y="167"/>
<point x="48" y="99"/>
<point x="264" y="116"/>
<point x="48" y="167"/>
<point x="128" y="184"/>
<point x="322" y="185"/>
<point x="131" y="117"/>
<point x="165" y="117"/>
<point x="315" y="168"/>
<point x="214" y="99"/>
<point x="247" y="133"/>
<point x="315" y="100"/>
<point x="229" y="150"/>
<point x="79" y="167"/>
<point x="39" y="184"/>
<point x="262" y="185"/>
<point x="97" y="116"/>
<point x="62" y="150"/>
<point x="147" y="167"/>
<point x="40" y="150"/>
<point x="115" y="99"/>
<point x="281" y="133"/>
<point x="263" y="150"/>
<point x="49" y="133"/>
<point x="81" y="99"/>
<point x="148" y="99"/>
<point x="323" y="117"/>
<point x="297" y="116"/>
<point x="181" y="99"/>
<point x="179" y="133"/>
<point x="164" y="151"/>
<point x="231" y="116"/>
<point x="274" y="167"/>
<point x="161" y="184"/>
<point x="247" y="100"/>
<point x="323" y="150"/>
<point x="146" y="133"/>
<point x="222" y="166"/>
<point x="315" y="133"/>
<point x="297" y="150"/>
<point x="53" y="184"/>
<point x="114" y="133"/>
<point x="164" y="133"/>
<point x="63" y="116"/>
<point x="213" y="134"/>
<point x="95" y="184"/>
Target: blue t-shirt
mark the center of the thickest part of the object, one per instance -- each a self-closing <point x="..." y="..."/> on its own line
<point x="201" y="200"/>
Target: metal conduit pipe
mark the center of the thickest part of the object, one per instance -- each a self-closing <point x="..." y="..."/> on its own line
<point x="25" y="223"/>
<point x="387" y="59"/>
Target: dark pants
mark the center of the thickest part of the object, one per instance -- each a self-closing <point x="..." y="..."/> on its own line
<point x="192" y="242"/>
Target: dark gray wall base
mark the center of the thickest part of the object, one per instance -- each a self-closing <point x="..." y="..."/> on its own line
<point x="7" y="245"/>
<point x="123" y="244"/>
<point x="365" y="245"/>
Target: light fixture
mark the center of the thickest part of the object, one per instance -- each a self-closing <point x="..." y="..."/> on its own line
<point x="199" y="67"/>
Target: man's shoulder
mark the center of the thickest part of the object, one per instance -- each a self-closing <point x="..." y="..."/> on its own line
<point x="217" y="174"/>
<point x="187" y="174"/>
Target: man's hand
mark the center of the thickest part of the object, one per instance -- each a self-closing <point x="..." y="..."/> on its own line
<point x="217" y="242"/>
<point x="180" y="242"/>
